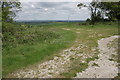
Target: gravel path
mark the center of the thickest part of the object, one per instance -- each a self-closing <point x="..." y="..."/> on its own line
<point x="105" y="68"/>
<point x="51" y="68"/>
<point x="60" y="64"/>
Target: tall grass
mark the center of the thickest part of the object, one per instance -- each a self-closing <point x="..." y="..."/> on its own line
<point x="32" y="45"/>
<point x="25" y="45"/>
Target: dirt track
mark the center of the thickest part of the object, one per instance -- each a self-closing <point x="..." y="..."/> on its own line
<point x="105" y="68"/>
<point x="60" y="64"/>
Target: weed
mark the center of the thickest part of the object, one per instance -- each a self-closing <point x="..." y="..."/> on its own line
<point x="94" y="64"/>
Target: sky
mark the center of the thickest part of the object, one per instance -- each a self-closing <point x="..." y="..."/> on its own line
<point x="52" y="11"/>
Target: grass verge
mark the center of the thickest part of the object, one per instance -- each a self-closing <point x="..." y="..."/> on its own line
<point x="24" y="55"/>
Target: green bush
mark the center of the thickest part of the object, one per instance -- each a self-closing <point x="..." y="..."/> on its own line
<point x="14" y="34"/>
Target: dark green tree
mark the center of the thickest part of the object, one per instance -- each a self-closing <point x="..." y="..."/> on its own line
<point x="94" y="9"/>
<point x="9" y="10"/>
<point x="111" y="10"/>
<point x="100" y="9"/>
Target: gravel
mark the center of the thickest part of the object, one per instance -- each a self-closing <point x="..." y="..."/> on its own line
<point x="105" y="68"/>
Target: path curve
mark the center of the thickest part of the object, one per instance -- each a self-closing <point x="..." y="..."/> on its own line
<point x="105" y="68"/>
<point x="52" y="68"/>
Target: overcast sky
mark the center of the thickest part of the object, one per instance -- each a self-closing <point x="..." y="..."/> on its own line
<point x="52" y="11"/>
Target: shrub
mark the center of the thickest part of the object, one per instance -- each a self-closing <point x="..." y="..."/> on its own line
<point x="14" y="34"/>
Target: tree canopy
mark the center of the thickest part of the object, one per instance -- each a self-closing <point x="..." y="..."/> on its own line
<point x="9" y="9"/>
<point x="111" y="9"/>
<point x="99" y="10"/>
<point x="94" y="9"/>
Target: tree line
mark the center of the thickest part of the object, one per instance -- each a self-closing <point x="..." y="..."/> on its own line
<point x="102" y="11"/>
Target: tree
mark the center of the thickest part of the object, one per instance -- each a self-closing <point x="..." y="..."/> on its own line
<point x="9" y="10"/>
<point x="111" y="9"/>
<point x="88" y="20"/>
<point x="94" y="9"/>
<point x="100" y="9"/>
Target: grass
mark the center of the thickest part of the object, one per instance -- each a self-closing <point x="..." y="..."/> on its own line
<point x="94" y="64"/>
<point x="26" y="54"/>
<point x="89" y="59"/>
<point x="23" y="55"/>
<point x="88" y="37"/>
<point x="74" y="69"/>
<point x="114" y="44"/>
<point x="117" y="77"/>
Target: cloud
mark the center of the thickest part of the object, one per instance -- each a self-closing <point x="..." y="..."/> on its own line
<point x="52" y="11"/>
<point x="55" y="0"/>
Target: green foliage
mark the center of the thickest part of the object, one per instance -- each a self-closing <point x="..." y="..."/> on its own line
<point x="94" y="64"/>
<point x="96" y="14"/>
<point x="89" y="59"/>
<point x="111" y="9"/>
<point x="9" y="10"/>
<point x="18" y="55"/>
<point x="25" y="45"/>
<point x="88" y="20"/>
<point x="100" y="9"/>
<point x="21" y="34"/>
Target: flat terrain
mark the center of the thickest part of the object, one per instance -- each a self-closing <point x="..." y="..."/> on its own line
<point x="79" y="49"/>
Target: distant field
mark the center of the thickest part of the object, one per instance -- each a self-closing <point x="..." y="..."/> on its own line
<point x="43" y="41"/>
